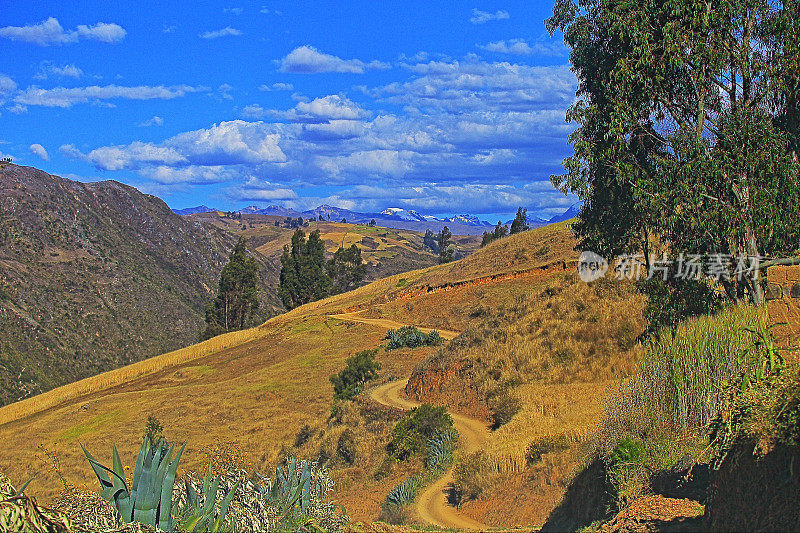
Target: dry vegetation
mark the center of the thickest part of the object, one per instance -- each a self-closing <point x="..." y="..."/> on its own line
<point x="547" y="339"/>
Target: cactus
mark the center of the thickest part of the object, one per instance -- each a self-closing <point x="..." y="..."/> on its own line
<point x="440" y="448"/>
<point x="405" y="492"/>
<point x="149" y="498"/>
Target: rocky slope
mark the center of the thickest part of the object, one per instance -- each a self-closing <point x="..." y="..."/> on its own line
<point x="95" y="276"/>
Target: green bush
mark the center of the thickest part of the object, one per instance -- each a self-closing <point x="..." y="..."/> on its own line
<point x="670" y="302"/>
<point x="470" y="477"/>
<point x="359" y="369"/>
<point x="411" y="337"/>
<point x="411" y="434"/>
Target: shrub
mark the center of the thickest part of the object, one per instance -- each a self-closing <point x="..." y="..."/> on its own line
<point x="346" y="447"/>
<point x="504" y="407"/>
<point x="411" y="434"/>
<point x="303" y="435"/>
<point x="411" y="337"/>
<point x="670" y="302"/>
<point x="470" y="477"/>
<point x="544" y="445"/>
<point x="359" y="369"/>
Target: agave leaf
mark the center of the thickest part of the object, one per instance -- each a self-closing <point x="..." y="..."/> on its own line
<point x="211" y="497"/>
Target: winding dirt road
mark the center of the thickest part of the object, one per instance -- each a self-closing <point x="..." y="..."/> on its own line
<point x="431" y="505"/>
<point x="389" y="324"/>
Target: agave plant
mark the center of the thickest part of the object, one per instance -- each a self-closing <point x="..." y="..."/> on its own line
<point x="149" y="498"/>
<point x="440" y="448"/>
<point x="197" y="517"/>
<point x="404" y="492"/>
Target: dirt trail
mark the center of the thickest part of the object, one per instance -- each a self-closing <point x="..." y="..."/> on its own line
<point x="431" y="505"/>
<point x="389" y="324"/>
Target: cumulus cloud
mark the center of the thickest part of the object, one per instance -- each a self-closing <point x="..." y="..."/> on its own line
<point x="155" y="121"/>
<point x="233" y="10"/>
<point x="64" y="97"/>
<point x="482" y="17"/>
<point x="38" y="149"/>
<point x="224" y="32"/>
<point x="49" y="32"/>
<point x="308" y="60"/>
<point x="462" y="134"/>
<point x="48" y="69"/>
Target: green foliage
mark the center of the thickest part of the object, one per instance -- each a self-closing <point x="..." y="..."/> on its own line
<point x="149" y="498"/>
<point x="153" y="430"/>
<point x="444" y="246"/>
<point x="520" y="222"/>
<point x="304" y="277"/>
<point x="669" y="147"/>
<point x="470" y="478"/>
<point x="625" y="462"/>
<point x="672" y="301"/>
<point x="237" y="297"/>
<point x="430" y="241"/>
<point x="498" y="232"/>
<point x="346" y="269"/>
<point x="504" y="406"/>
<point x="411" y="434"/>
<point x="200" y="515"/>
<point x="441" y="446"/>
<point x="359" y="369"/>
<point x="404" y="492"/>
<point x="411" y="337"/>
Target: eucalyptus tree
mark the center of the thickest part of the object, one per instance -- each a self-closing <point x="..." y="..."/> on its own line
<point x="687" y="132"/>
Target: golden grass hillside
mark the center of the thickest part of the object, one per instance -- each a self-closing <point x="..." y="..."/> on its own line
<point x="254" y="390"/>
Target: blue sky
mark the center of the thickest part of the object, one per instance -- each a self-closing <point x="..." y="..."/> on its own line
<point x="443" y="107"/>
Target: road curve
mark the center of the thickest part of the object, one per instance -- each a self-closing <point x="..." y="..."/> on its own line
<point x="431" y="505"/>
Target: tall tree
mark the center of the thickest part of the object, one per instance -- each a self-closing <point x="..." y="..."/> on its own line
<point x="237" y="297"/>
<point x="346" y="269"/>
<point x="445" y="248"/>
<point x="431" y="241"/>
<point x="520" y="222"/>
<point x="303" y="276"/>
<point x="687" y="127"/>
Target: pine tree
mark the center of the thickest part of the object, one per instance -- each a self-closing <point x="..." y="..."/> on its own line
<point x="520" y="222"/>
<point x="237" y="297"/>
<point x="445" y="248"/>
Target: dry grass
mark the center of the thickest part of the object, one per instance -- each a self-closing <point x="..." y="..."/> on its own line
<point x="255" y="389"/>
<point x="107" y="380"/>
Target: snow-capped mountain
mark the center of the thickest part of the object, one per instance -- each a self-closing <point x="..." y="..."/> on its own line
<point x="402" y="214"/>
<point x="572" y="212"/>
<point x="469" y="220"/>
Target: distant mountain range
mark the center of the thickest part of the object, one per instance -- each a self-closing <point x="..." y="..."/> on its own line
<point x="393" y="217"/>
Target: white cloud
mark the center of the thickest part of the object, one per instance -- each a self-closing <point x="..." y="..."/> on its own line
<point x="277" y="87"/>
<point x="50" y="32"/>
<point x="256" y="190"/>
<point x="155" y="121"/>
<point x="543" y="47"/>
<point x="169" y="29"/>
<point x="224" y="32"/>
<point x="482" y="17"/>
<point x="133" y="155"/>
<point x="332" y="107"/>
<point x="67" y="71"/>
<point x="307" y="59"/>
<point x="7" y="86"/>
<point x="233" y="10"/>
<point x="224" y="91"/>
<point x="253" y="111"/>
<point x="167" y="175"/>
<point x="64" y="97"/>
<point x="38" y="149"/>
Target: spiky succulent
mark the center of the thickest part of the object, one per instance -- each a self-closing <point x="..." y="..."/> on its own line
<point x="440" y="449"/>
<point x="149" y="498"/>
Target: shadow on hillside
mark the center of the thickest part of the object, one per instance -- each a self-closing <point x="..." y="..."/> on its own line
<point x="589" y="497"/>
